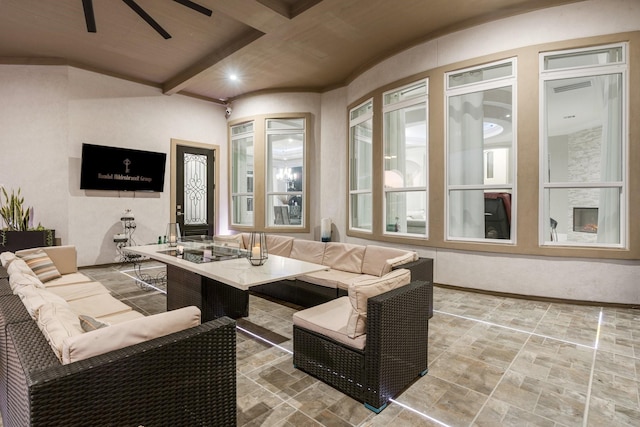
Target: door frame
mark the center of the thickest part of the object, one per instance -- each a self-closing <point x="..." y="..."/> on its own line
<point x="216" y="172"/>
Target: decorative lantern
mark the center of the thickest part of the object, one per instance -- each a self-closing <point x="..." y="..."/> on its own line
<point x="257" y="248"/>
<point x="173" y="233"/>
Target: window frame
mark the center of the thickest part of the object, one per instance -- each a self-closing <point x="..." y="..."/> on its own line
<point x="469" y="88"/>
<point x="260" y="198"/>
<point x="268" y="167"/>
<point x="367" y="116"/>
<point x="546" y="75"/>
<point x="386" y="191"/>
<point x="250" y="195"/>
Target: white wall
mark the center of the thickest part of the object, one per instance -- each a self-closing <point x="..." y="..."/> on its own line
<point x="48" y="112"/>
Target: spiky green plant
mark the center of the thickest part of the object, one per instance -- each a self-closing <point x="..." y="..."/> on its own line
<point x="13" y="211"/>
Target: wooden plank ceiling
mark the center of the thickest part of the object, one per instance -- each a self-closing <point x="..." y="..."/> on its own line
<point x="269" y="44"/>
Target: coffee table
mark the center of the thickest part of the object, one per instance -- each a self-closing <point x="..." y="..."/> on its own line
<point x="219" y="285"/>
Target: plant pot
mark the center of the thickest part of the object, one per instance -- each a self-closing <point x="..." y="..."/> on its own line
<point x="17" y="240"/>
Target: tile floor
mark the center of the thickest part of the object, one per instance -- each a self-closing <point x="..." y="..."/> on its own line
<point x="492" y="361"/>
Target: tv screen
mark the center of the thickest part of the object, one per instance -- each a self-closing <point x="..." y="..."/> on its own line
<point x="122" y="169"/>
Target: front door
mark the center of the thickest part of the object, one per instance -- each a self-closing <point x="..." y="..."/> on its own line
<point x="195" y="189"/>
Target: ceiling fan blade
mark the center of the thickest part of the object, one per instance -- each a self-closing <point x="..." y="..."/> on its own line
<point x="195" y="6"/>
<point x="144" y="15"/>
<point x="89" y="17"/>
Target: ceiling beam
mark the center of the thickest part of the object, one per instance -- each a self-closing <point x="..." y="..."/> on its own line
<point x="89" y="16"/>
<point x="181" y="80"/>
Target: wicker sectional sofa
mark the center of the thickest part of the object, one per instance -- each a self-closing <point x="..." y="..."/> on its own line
<point x="131" y="370"/>
<point x="346" y="264"/>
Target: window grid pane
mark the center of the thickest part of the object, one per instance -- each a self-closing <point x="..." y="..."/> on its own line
<point x="584" y="166"/>
<point x="480" y="153"/>
<point x="285" y="172"/>
<point x="405" y="160"/>
<point x="242" y="164"/>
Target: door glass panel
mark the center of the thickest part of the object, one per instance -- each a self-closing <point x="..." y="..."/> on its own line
<point x="195" y="189"/>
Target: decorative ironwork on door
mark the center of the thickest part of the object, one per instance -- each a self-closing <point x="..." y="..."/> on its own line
<point x="195" y="189"/>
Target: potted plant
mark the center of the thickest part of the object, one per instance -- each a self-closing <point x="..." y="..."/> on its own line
<point x="18" y="232"/>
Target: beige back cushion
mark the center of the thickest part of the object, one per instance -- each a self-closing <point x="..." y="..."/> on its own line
<point x="18" y="280"/>
<point x="344" y="256"/>
<point x="63" y="257"/>
<point x="360" y="292"/>
<point x="378" y="260"/>
<point x="19" y="266"/>
<point x="114" y="337"/>
<point x="279" y="245"/>
<point x="6" y="258"/>
<point x="308" y="250"/>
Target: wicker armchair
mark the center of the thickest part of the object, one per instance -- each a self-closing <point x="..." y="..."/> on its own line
<point x="394" y="356"/>
<point x="185" y="378"/>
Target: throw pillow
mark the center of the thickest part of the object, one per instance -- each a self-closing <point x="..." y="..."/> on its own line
<point x="90" y="323"/>
<point x="41" y="265"/>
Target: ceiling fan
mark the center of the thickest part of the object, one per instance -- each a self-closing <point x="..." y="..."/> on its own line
<point x="91" y="20"/>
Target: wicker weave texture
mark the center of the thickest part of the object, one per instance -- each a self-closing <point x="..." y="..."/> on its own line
<point x="394" y="356"/>
<point x="186" y="378"/>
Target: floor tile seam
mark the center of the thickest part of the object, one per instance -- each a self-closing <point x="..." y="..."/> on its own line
<point x="587" y="404"/>
<point x="515" y="329"/>
<point x="509" y="368"/>
<point x="280" y="399"/>
<point x="415" y="411"/>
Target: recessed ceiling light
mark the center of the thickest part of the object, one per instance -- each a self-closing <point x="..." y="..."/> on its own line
<point x="233" y="77"/>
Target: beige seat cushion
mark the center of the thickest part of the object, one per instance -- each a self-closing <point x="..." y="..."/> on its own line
<point x="68" y="279"/>
<point x="17" y="280"/>
<point x="114" y="337"/>
<point x="34" y="298"/>
<point x="98" y="306"/>
<point x="79" y="290"/>
<point x="345" y="282"/>
<point x="58" y="322"/>
<point x="121" y="317"/>
<point x="344" y="257"/>
<point x="330" y="319"/>
<point x="308" y="250"/>
<point x="379" y="260"/>
<point x="360" y="292"/>
<point x="329" y="278"/>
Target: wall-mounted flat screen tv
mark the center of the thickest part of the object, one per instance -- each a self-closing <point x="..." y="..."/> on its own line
<point x="121" y="169"/>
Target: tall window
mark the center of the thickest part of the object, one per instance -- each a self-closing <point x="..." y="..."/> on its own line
<point x="242" y="164"/>
<point x="480" y="152"/>
<point x="285" y="171"/>
<point x="405" y="159"/>
<point x="583" y="146"/>
<point x="360" y="166"/>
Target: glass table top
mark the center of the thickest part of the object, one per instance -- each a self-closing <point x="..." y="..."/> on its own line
<point x="205" y="250"/>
